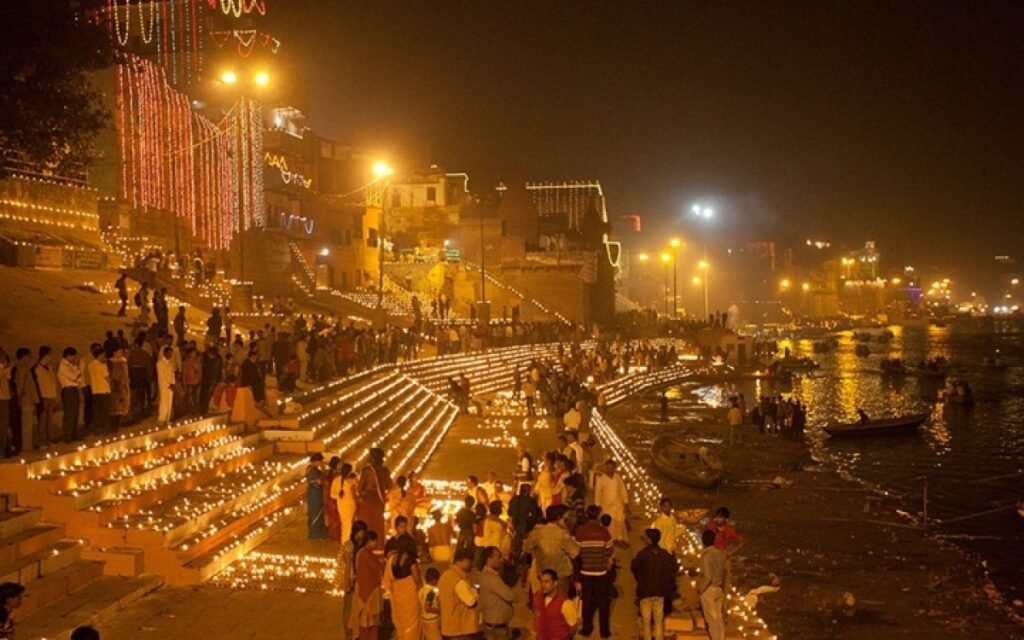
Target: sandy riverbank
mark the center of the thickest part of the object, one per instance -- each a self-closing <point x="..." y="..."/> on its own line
<point x="823" y="537"/>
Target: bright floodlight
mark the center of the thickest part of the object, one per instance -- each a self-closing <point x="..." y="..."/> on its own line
<point x="665" y="257"/>
<point x="382" y="169"/>
<point x="696" y="280"/>
<point x="806" y="286"/>
<point x="228" y="77"/>
<point x="262" y="78"/>
<point x="675" y="243"/>
<point x="703" y="265"/>
<point x="644" y="257"/>
<point x="708" y="212"/>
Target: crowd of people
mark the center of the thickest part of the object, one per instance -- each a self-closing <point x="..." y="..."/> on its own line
<point x="553" y="528"/>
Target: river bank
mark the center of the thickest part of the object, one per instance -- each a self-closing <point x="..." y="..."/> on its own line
<point x="823" y="537"/>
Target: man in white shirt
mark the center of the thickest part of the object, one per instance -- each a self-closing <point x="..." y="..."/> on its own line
<point x="665" y="522"/>
<point x="69" y="378"/>
<point x="46" y="382"/>
<point x="610" y="494"/>
<point x="99" y="382"/>
<point x="165" y="385"/>
<point x="572" y="420"/>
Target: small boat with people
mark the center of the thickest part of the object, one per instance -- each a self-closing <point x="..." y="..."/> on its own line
<point x="958" y="392"/>
<point x="679" y="460"/>
<point x="893" y="367"/>
<point x="936" y="368"/>
<point x="867" y="426"/>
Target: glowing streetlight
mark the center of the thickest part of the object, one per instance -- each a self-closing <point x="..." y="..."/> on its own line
<point x="665" y="259"/>
<point x="696" y="281"/>
<point x="1015" y="281"/>
<point x="262" y="78"/>
<point x="806" y="287"/>
<point x="643" y="257"/>
<point x="784" y="284"/>
<point x="675" y="243"/>
<point x="229" y="77"/>
<point x="701" y="211"/>
<point x="703" y="265"/>
<point x="897" y="280"/>
<point x="383" y="171"/>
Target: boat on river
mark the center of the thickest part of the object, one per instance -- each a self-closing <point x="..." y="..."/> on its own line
<point x="885" y="426"/>
<point x="693" y="466"/>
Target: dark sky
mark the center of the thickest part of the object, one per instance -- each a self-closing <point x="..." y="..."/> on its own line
<point x="898" y="121"/>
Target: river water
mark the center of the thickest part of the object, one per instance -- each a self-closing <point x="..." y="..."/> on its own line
<point x="971" y="458"/>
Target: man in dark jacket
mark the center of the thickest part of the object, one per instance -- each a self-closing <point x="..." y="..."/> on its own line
<point x="655" y="572"/>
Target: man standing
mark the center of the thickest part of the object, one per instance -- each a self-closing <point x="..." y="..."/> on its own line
<point x="46" y="382"/>
<point x="99" y="383"/>
<point x="457" y="600"/>
<point x="595" y="560"/>
<point x="554" y="615"/>
<point x="610" y="494"/>
<point x="28" y="397"/>
<point x="180" y="325"/>
<point x="122" y="293"/>
<point x="213" y="373"/>
<point x="735" y="417"/>
<point x="165" y="385"/>
<point x="496" y="597"/>
<point x="551" y="545"/>
<point x="69" y="376"/>
<point x="140" y="366"/>
<point x="655" y="573"/>
<point x="572" y="420"/>
<point x="665" y="523"/>
<point x="711" y="585"/>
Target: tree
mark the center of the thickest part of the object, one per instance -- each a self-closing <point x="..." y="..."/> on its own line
<point x="49" y="112"/>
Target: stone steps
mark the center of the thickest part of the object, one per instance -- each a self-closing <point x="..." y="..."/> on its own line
<point x="97" y="602"/>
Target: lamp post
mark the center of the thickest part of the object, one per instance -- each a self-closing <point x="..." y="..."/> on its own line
<point x="643" y="257"/>
<point x="665" y="259"/>
<point x="675" y="244"/>
<point x="243" y="108"/>
<point x="382" y="171"/>
<point x="704" y="213"/>
<point x="705" y="267"/>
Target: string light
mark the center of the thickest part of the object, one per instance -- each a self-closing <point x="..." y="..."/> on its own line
<point x="289" y="177"/>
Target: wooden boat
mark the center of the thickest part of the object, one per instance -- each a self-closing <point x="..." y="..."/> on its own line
<point x="693" y="466"/>
<point x="884" y="426"/>
<point x="796" y="365"/>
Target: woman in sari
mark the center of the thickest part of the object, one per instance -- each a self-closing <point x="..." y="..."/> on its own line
<point x="344" y="491"/>
<point x="367" y="603"/>
<point x="399" y="503"/>
<point x="402" y="582"/>
<point x="417" y="493"/>
<point x="345" y="577"/>
<point x="331" y="518"/>
<point x="315" y="498"/>
<point x="371" y="491"/>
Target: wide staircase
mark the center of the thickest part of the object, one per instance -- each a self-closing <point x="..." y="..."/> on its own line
<point x="65" y="587"/>
<point x="123" y="514"/>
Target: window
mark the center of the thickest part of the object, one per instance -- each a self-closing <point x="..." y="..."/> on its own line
<point x="396" y="200"/>
<point x="431" y="194"/>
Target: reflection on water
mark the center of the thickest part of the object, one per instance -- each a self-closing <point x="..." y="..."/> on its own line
<point x="960" y="450"/>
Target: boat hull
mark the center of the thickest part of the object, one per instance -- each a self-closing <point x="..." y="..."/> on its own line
<point x="895" y="426"/>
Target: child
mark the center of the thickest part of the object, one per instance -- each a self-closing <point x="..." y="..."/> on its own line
<point x="429" y="606"/>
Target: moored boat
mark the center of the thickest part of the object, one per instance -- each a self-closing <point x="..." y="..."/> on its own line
<point x="885" y="426"/>
<point x="693" y="466"/>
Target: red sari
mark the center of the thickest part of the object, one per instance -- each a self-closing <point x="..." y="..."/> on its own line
<point x="374" y="484"/>
<point x="367" y="604"/>
<point x="331" y="516"/>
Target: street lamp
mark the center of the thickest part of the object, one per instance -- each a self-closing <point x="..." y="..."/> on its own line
<point x="382" y="172"/>
<point x="675" y="244"/>
<point x="665" y="259"/>
<point x="262" y="78"/>
<point x="705" y="266"/>
<point x="229" y="77"/>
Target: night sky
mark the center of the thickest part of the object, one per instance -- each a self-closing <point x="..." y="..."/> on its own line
<point x="897" y="121"/>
